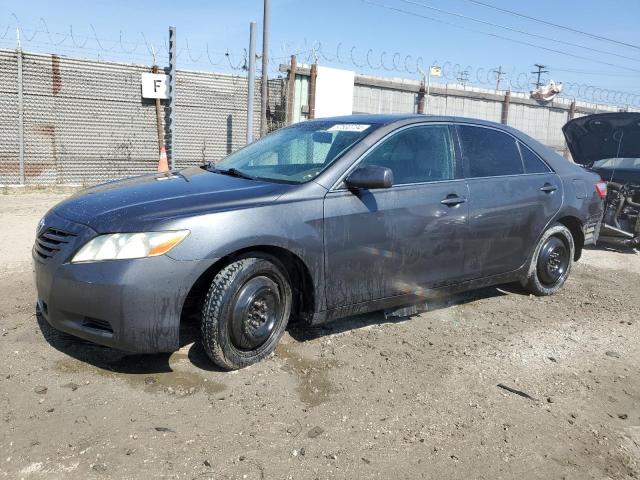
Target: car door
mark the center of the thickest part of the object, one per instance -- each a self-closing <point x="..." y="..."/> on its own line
<point x="385" y="242"/>
<point x="512" y="193"/>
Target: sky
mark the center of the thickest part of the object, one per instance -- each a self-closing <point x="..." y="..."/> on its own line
<point x="382" y="37"/>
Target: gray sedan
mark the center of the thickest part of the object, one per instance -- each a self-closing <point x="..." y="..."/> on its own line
<point x="314" y="222"/>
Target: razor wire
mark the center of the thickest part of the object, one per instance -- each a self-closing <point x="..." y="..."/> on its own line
<point x="365" y="60"/>
<point x="512" y="79"/>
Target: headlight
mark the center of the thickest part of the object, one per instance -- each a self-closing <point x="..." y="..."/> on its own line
<point x="118" y="246"/>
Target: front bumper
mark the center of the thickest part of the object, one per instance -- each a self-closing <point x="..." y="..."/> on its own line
<point x="132" y="305"/>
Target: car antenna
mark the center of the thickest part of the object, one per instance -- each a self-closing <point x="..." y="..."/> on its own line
<point x="620" y="134"/>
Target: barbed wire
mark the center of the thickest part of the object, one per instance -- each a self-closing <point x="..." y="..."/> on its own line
<point x="415" y="65"/>
<point x="364" y="60"/>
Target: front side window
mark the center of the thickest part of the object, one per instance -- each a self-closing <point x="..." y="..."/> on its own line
<point x="415" y="155"/>
<point x="489" y="152"/>
<point x="295" y="154"/>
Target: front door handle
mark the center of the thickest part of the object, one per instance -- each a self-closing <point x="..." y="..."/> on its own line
<point x="452" y="200"/>
<point x="548" y="188"/>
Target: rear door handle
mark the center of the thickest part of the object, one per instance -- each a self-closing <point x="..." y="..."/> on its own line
<point x="452" y="200"/>
<point x="548" y="188"/>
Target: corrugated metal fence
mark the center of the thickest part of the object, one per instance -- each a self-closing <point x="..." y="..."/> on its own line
<point x="86" y="121"/>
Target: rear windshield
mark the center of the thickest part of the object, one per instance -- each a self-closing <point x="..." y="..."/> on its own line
<point x="630" y="163"/>
<point x="296" y="154"/>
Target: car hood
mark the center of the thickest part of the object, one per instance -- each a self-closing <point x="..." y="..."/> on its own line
<point x="602" y="136"/>
<point x="139" y="203"/>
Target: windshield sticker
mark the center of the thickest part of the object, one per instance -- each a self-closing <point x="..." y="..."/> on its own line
<point x="349" y="127"/>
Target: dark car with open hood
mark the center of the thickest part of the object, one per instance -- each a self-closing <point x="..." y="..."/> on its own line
<point x="320" y="220"/>
<point x="609" y="144"/>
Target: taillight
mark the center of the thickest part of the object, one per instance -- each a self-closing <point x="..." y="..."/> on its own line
<point x="601" y="189"/>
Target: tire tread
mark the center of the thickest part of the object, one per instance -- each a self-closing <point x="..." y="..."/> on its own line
<point x="211" y="311"/>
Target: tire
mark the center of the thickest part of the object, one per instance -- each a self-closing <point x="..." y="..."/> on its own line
<point x="246" y="312"/>
<point x="551" y="261"/>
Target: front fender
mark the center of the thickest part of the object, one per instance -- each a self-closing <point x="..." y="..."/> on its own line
<point x="294" y="226"/>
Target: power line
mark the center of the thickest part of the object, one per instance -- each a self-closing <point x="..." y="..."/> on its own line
<point x="516" y="30"/>
<point x="495" y="35"/>
<point x="545" y="22"/>
<point x="598" y="73"/>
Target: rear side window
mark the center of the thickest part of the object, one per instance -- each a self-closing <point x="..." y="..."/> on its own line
<point x="416" y="155"/>
<point x="532" y="163"/>
<point x="489" y="153"/>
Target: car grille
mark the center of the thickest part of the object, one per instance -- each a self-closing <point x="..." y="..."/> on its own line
<point x="51" y="241"/>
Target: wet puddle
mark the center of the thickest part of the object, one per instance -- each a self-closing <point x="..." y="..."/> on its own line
<point x="314" y="387"/>
<point x="149" y="373"/>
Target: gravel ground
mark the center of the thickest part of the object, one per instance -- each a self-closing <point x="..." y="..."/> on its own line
<point x="360" y="398"/>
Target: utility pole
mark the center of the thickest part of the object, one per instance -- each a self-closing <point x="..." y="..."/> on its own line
<point x="252" y="80"/>
<point x="463" y="77"/>
<point x="499" y="73"/>
<point x="265" y="69"/>
<point x="541" y="70"/>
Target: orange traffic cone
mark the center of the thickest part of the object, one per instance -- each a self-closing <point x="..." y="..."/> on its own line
<point x="163" y="165"/>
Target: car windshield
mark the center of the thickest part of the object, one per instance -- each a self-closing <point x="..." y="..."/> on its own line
<point x="294" y="154"/>
<point x="629" y="163"/>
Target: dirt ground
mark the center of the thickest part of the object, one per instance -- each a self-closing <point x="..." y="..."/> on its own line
<point x="360" y="398"/>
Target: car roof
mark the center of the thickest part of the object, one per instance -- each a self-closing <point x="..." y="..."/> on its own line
<point x="405" y="118"/>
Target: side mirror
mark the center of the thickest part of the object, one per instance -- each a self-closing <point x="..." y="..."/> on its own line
<point x="369" y="177"/>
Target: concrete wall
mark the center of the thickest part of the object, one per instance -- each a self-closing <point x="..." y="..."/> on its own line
<point x="398" y="95"/>
<point x="542" y="122"/>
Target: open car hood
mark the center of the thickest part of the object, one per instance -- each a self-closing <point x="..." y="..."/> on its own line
<point x="603" y="135"/>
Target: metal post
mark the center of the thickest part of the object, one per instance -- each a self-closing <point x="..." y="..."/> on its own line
<point x="505" y="107"/>
<point x="426" y="100"/>
<point x="154" y="69"/>
<point x="252" y="80"/>
<point x="421" y="93"/>
<point x="291" y="89"/>
<point x="265" y="67"/>
<point x="572" y="110"/>
<point x="172" y="97"/>
<point x="570" y="116"/>
<point x="20" y="112"/>
<point x="313" y="75"/>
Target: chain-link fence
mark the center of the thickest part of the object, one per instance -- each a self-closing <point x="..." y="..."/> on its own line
<point x="86" y="121"/>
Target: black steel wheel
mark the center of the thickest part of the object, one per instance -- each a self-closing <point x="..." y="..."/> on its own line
<point x="550" y="262"/>
<point x="553" y="260"/>
<point x="246" y="311"/>
<point x="256" y="310"/>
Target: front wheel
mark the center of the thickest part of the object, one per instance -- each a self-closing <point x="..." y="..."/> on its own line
<point x="245" y="312"/>
<point x="551" y="261"/>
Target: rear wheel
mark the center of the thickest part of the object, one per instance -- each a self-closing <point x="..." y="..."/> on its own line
<point x="246" y="312"/>
<point x="551" y="261"/>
